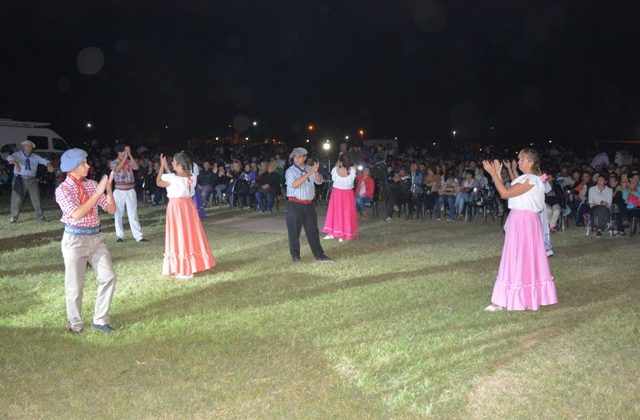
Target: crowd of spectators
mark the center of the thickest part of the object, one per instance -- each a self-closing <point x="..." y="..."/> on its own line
<point x="596" y="189"/>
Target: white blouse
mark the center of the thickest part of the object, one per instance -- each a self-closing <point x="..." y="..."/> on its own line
<point x="343" y="182"/>
<point x="180" y="186"/>
<point x="532" y="200"/>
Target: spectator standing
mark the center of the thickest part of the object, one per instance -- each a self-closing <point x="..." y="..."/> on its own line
<point x="125" y="193"/>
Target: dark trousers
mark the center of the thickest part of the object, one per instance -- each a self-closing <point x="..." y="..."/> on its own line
<point x="299" y="215"/>
<point x="19" y="193"/>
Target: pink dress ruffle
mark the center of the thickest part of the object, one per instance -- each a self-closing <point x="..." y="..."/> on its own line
<point x="186" y="249"/>
<point x="342" y="220"/>
<point x="524" y="278"/>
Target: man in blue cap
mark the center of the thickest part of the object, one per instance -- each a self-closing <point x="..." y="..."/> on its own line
<point x="83" y="242"/>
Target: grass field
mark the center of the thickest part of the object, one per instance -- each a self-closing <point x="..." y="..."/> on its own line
<point x="395" y="328"/>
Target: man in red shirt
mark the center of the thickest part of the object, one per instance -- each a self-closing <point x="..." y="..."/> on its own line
<point x="83" y="242"/>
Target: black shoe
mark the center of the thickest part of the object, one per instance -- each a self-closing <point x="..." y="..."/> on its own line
<point x="106" y="328"/>
<point x="598" y="233"/>
<point x="325" y="259"/>
<point x="119" y="240"/>
<point x="44" y="219"/>
<point x="143" y="240"/>
<point x="13" y="220"/>
<point x="295" y="259"/>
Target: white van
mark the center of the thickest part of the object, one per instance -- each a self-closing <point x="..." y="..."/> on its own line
<point x="13" y="133"/>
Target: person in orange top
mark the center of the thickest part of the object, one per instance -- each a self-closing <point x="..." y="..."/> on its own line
<point x="364" y="191"/>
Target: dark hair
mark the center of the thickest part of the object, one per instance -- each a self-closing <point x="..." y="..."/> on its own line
<point x="184" y="160"/>
<point x="345" y="160"/>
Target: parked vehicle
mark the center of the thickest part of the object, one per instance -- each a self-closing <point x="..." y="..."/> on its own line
<point x="13" y="133"/>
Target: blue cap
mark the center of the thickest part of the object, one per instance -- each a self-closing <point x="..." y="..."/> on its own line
<point x="71" y="159"/>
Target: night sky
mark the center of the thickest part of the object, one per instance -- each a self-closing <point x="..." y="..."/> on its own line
<point x="533" y="70"/>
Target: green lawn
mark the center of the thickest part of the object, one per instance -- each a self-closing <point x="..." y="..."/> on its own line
<point x="395" y="328"/>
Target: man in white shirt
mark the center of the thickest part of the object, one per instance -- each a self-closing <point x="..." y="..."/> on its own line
<point x="600" y="200"/>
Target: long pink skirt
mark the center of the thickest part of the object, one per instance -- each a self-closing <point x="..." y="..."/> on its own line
<point x="524" y="279"/>
<point x="342" y="220"/>
<point x="186" y="249"/>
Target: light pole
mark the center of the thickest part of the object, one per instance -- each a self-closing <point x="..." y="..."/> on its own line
<point x="454" y="137"/>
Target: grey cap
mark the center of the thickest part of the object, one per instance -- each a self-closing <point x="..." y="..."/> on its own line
<point x="298" y="151"/>
<point x="28" y="142"/>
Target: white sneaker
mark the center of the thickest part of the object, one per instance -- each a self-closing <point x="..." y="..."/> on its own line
<point x="340" y="240"/>
<point x="184" y="276"/>
<point x="549" y="252"/>
<point x="492" y="308"/>
<point x="328" y="237"/>
<point x="388" y="219"/>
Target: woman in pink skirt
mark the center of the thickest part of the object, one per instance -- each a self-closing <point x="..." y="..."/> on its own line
<point x="524" y="279"/>
<point x="342" y="220"/>
<point x="186" y="249"/>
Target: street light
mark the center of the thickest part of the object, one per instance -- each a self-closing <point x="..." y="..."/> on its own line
<point x="89" y="125"/>
<point x="310" y="127"/>
<point x="361" y="133"/>
<point x="255" y="123"/>
<point x="346" y="137"/>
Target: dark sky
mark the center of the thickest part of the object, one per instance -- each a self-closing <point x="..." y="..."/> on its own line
<point x="413" y="69"/>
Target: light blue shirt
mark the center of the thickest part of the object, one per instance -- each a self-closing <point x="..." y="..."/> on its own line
<point x="21" y="158"/>
<point x="306" y="191"/>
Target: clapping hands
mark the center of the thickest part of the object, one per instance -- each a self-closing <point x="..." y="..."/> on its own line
<point x="163" y="161"/>
<point x="493" y="168"/>
<point x="105" y="183"/>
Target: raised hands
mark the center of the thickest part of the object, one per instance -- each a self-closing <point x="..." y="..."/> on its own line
<point x="163" y="161"/>
<point x="493" y="168"/>
<point x="315" y="167"/>
<point x="105" y="183"/>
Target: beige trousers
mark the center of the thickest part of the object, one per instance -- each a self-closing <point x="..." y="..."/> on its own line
<point x="78" y="250"/>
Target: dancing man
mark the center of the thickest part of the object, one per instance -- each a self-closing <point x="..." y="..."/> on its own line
<point x="301" y="191"/>
<point x="82" y="241"/>
<point x="25" y="165"/>
<point x="125" y="193"/>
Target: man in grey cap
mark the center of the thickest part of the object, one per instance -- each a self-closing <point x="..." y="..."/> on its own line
<point x="25" y="165"/>
<point x="301" y="212"/>
<point x="83" y="242"/>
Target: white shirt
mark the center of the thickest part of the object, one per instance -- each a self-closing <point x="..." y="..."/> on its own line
<point x="596" y="196"/>
<point x="180" y="186"/>
<point x="343" y="182"/>
<point x="532" y="200"/>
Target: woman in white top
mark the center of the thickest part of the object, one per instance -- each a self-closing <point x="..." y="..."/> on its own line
<point x="524" y="278"/>
<point x="342" y="220"/>
<point x="187" y="250"/>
